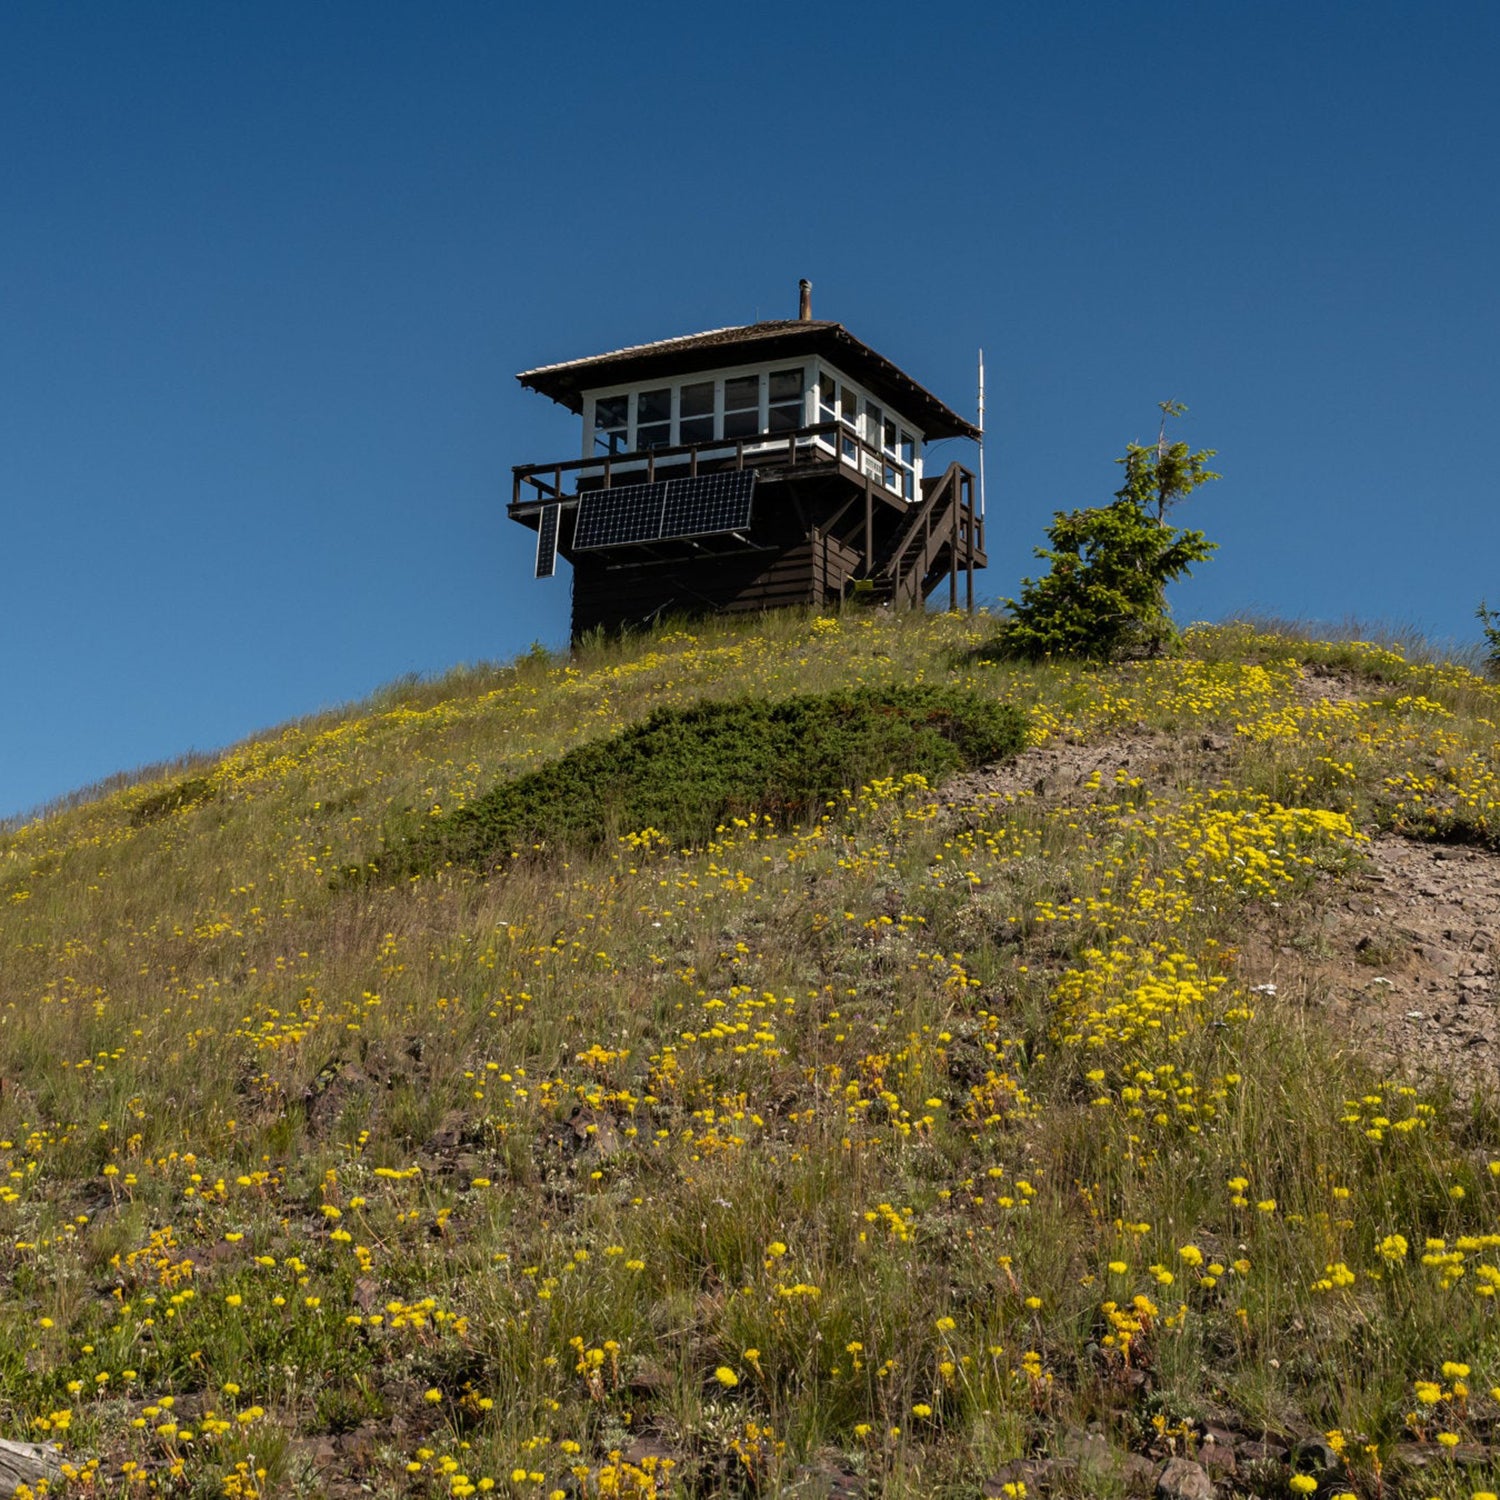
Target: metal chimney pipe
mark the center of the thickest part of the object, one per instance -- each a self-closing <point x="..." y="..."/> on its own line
<point x="804" y="301"/>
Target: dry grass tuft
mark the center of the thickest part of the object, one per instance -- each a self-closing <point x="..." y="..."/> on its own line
<point x="892" y="1147"/>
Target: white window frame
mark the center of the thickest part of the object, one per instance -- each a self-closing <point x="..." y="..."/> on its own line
<point x="761" y="371"/>
<point x="866" y="463"/>
<point x="813" y="375"/>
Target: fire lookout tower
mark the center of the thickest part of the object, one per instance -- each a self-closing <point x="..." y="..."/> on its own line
<point x="747" y="468"/>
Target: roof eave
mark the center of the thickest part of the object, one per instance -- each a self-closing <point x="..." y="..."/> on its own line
<point x="942" y="421"/>
<point x="566" y="383"/>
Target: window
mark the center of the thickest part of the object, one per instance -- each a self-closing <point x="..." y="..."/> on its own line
<point x="786" y="408"/>
<point x="906" y="456"/>
<point x="872" y="465"/>
<point x="888" y="447"/>
<point x="742" y="406"/>
<point x="828" y="403"/>
<point x="611" y="423"/>
<point x="653" y="419"/>
<point x="738" y="407"/>
<point x="849" y="415"/>
<point x="697" y="423"/>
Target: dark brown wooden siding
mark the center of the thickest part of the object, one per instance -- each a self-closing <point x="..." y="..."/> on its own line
<point x="814" y="570"/>
<point x="809" y="545"/>
<point x="612" y="598"/>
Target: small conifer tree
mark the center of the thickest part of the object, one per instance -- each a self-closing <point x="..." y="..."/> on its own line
<point x="1105" y="594"/>
<point x="1489" y="620"/>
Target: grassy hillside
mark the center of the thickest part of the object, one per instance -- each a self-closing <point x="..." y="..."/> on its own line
<point x="995" y="1133"/>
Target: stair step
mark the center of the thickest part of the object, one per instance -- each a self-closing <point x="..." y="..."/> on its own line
<point x="925" y="549"/>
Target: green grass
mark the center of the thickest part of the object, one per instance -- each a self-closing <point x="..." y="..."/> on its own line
<point x="684" y="772"/>
<point x="859" y="1104"/>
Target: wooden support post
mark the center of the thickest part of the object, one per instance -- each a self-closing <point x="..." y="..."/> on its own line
<point x="869" y="529"/>
<point x="973" y="542"/>
<point x="956" y="501"/>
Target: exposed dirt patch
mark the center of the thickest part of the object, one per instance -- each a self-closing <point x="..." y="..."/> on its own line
<point x="1405" y="954"/>
<point x="1054" y="771"/>
<point x="1329" y="685"/>
<point x="1051" y="771"/>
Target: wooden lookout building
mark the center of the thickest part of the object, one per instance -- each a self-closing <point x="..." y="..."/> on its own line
<point x="748" y="468"/>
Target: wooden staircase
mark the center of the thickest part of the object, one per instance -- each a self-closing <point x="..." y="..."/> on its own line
<point x="942" y="536"/>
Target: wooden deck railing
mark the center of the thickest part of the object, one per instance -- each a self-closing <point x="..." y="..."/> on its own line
<point x="823" y="442"/>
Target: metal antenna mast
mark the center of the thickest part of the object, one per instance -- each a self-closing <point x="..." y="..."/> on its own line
<point x="981" y="434"/>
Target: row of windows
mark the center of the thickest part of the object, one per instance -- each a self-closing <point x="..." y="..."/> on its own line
<point x="735" y="406"/>
<point x="860" y="417"/>
<point x="731" y="408"/>
<point x="742" y="406"/>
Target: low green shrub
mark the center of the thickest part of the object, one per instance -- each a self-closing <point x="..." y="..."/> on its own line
<point x="174" y="798"/>
<point x="685" y="771"/>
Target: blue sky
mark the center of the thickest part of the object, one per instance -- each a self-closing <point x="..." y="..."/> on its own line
<point x="267" y="272"/>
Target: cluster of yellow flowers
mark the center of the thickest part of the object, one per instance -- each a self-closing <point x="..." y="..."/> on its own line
<point x="903" y="1115"/>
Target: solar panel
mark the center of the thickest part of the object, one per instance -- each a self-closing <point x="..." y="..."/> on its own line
<point x="627" y="514"/>
<point x="546" y="541"/>
<point x="708" y="503"/>
<point x="619" y="515"/>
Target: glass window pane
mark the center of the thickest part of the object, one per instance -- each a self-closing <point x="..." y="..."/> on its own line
<point x="785" y="418"/>
<point x="654" y="406"/>
<point x="742" y="393"/>
<point x="786" y="385"/>
<point x="873" y="418"/>
<point x="697" y="429"/>
<point x="888" y="436"/>
<point x="653" y="435"/>
<point x="908" y="447"/>
<point x="610" y="411"/>
<point x="851" y="407"/>
<point x="739" y="424"/>
<point x="698" y="400"/>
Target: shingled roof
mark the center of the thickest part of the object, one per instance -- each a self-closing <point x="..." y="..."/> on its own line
<point x="753" y="342"/>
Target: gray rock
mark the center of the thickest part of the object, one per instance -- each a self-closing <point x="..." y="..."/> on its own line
<point x="1084" y="1447"/>
<point x="1218" y="1459"/>
<point x="1037" y="1474"/>
<point x="1182" y="1479"/>
<point x="1092" y="1464"/>
<point x="830" y="1480"/>
<point x="1316" y="1457"/>
<point x="1137" y="1475"/>
<point x="1415" y="1457"/>
<point x="1254" y="1452"/>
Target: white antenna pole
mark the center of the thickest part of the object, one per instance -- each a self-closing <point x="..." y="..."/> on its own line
<point x="981" y="434"/>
